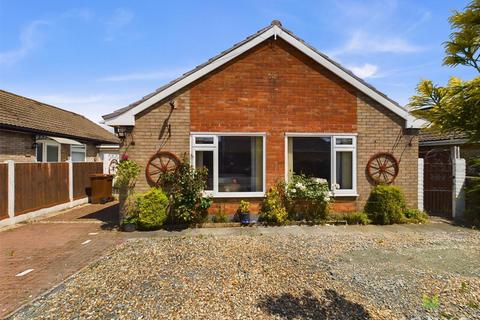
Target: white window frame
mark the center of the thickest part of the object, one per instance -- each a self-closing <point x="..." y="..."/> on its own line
<point x="84" y="152"/>
<point x="333" y="161"/>
<point x="44" y="149"/>
<point x="214" y="147"/>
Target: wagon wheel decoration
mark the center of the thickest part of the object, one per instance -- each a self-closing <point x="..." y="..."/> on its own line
<point x="160" y="163"/>
<point x="112" y="167"/>
<point x="382" y="168"/>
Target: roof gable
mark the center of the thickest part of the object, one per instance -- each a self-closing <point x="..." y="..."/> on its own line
<point x="126" y="116"/>
<point x="24" y="114"/>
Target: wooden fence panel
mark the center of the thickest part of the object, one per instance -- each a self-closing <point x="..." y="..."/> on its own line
<point x="40" y="185"/>
<point x="3" y="191"/>
<point x="81" y="179"/>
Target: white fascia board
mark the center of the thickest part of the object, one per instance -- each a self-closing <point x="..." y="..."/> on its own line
<point x="128" y="118"/>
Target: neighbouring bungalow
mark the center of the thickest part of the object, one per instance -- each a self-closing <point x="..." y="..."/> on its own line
<point x="268" y="107"/>
<point x="32" y="131"/>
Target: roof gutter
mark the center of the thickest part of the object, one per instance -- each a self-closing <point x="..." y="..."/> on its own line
<point x="50" y="133"/>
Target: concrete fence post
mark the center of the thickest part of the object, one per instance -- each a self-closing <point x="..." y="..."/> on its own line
<point x="70" y="180"/>
<point x="459" y="177"/>
<point x="11" y="188"/>
<point x="420" y="183"/>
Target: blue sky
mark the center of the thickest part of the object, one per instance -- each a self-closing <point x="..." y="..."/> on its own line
<point x="93" y="57"/>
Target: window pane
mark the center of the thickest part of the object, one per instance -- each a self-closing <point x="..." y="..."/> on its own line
<point x="344" y="169"/>
<point x="310" y="156"/>
<point x="78" y="156"/>
<point x="240" y="164"/>
<point x="344" y="141"/>
<point x="203" y="140"/>
<point x="205" y="159"/>
<point x="39" y="152"/>
<point x="52" y="153"/>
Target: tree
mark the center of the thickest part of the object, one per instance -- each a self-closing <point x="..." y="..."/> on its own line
<point x="456" y="106"/>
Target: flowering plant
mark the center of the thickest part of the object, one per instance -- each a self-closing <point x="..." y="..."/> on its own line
<point x="307" y="197"/>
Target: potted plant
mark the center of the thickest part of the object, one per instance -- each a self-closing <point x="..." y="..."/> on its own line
<point x="243" y="212"/>
<point x="129" y="224"/>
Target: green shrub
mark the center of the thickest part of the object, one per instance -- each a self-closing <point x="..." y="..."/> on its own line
<point x="386" y="205"/>
<point x="272" y="208"/>
<point x="220" y="216"/>
<point x="127" y="173"/>
<point x="351" y="218"/>
<point x="152" y="209"/>
<point x="185" y="187"/>
<point x="307" y="198"/>
<point x="416" y="216"/>
<point x="130" y="209"/>
<point x="244" y="207"/>
<point x="472" y="201"/>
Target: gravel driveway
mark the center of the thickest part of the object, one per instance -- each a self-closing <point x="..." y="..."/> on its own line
<point x="279" y="273"/>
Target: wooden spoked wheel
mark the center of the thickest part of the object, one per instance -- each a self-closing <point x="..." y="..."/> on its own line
<point x="160" y="163"/>
<point x="112" y="167"/>
<point x="382" y="168"/>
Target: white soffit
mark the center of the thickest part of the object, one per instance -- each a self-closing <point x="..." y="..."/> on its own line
<point x="66" y="141"/>
<point x="128" y="118"/>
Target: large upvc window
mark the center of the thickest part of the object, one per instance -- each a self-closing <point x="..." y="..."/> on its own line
<point x="331" y="157"/>
<point x="235" y="163"/>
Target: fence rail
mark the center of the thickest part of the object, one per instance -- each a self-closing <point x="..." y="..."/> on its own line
<point x="81" y="180"/>
<point x="40" y="185"/>
<point x="3" y="191"/>
<point x="30" y="187"/>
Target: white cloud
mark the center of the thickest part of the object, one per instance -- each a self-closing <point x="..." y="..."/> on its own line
<point x="152" y="75"/>
<point x="121" y="17"/>
<point x="365" y="71"/>
<point x="361" y="42"/>
<point x="29" y="39"/>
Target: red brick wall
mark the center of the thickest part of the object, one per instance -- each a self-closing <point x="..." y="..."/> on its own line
<point x="274" y="89"/>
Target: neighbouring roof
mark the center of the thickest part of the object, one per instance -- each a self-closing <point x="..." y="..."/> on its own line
<point x="125" y="116"/>
<point x="25" y="114"/>
<point x="428" y="137"/>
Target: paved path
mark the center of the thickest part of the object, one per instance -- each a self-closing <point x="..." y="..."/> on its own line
<point x="54" y="248"/>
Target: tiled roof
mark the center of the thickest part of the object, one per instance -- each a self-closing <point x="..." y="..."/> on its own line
<point x="437" y="136"/>
<point x="235" y="46"/>
<point x="21" y="113"/>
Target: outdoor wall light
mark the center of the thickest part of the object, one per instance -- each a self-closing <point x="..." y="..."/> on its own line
<point x="121" y="132"/>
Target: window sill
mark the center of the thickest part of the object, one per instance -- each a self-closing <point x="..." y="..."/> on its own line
<point x="235" y="194"/>
<point x="337" y="195"/>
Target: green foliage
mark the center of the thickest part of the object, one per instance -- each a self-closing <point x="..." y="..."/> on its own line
<point x="244" y="207"/>
<point x="351" y="218"/>
<point x="272" y="208"/>
<point x="307" y="198"/>
<point x="185" y="187"/>
<point x="432" y="302"/>
<point x="152" y="209"/>
<point x="472" y="191"/>
<point x="386" y="205"/>
<point x="455" y="107"/>
<point x="220" y="216"/>
<point x="416" y="216"/>
<point x="130" y="209"/>
<point x="463" y="46"/>
<point x="127" y="173"/>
